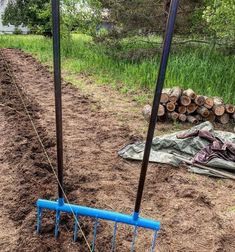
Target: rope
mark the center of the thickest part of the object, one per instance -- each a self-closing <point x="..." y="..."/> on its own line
<point x="44" y="150"/>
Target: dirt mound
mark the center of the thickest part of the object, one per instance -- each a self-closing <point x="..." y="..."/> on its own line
<point x="196" y="212"/>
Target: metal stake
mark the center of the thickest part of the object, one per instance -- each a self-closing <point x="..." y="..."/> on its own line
<point x="156" y="101"/>
<point x="58" y="101"/>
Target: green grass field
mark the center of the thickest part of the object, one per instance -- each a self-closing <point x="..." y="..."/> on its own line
<point x="207" y="71"/>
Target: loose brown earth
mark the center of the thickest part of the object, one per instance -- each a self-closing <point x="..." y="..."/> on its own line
<point x="197" y="213"/>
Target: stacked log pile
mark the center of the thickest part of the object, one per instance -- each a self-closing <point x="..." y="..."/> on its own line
<point x="187" y="106"/>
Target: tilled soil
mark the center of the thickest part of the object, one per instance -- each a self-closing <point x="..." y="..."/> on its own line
<point x="197" y="213"/>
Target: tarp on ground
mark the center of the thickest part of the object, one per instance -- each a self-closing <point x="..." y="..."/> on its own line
<point x="164" y="146"/>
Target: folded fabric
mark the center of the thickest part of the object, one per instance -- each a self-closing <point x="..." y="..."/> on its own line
<point x="215" y="149"/>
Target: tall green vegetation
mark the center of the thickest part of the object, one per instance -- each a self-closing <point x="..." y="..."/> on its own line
<point x="128" y="52"/>
<point x="206" y="70"/>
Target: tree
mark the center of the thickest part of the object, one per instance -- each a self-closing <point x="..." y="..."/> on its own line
<point x="36" y="15"/>
<point x="81" y="15"/>
<point x="144" y="17"/>
<point x="220" y="18"/>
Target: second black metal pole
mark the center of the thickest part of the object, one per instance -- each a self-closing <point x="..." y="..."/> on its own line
<point x="57" y="83"/>
<point x="156" y="101"/>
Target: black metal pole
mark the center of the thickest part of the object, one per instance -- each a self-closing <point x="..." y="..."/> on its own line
<point x="57" y="83"/>
<point x="156" y="101"/>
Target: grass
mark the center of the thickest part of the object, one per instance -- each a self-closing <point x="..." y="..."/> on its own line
<point x="207" y="71"/>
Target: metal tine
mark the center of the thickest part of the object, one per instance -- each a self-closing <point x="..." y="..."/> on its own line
<point x="94" y="235"/>
<point x="114" y="237"/>
<point x="154" y="241"/>
<point x="39" y="219"/>
<point x="57" y="224"/>
<point x="75" y="234"/>
<point x="134" y="238"/>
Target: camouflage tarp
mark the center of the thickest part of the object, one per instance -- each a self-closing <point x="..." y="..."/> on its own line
<point x="164" y="146"/>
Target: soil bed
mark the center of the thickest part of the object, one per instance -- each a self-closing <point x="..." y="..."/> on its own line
<point x="197" y="213"/>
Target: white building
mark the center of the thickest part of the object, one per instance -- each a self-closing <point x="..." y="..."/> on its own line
<point x="8" y="28"/>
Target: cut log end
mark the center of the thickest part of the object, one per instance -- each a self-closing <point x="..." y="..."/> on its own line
<point x="209" y="102"/>
<point x="161" y="110"/>
<point x="164" y="98"/>
<point x="185" y="100"/>
<point x="192" y="108"/>
<point x="175" y="94"/>
<point x="203" y="111"/>
<point x="190" y="93"/>
<point x="192" y="119"/>
<point x="224" y="119"/>
<point x="182" y="118"/>
<point x="173" y="116"/>
<point x="219" y="110"/>
<point x="147" y="112"/>
<point x="200" y="100"/>
<point x="182" y="109"/>
<point x="165" y="95"/>
<point x="170" y="106"/>
<point x="211" y="117"/>
<point x="230" y="108"/>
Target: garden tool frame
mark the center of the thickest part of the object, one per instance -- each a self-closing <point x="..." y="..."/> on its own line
<point x="60" y="206"/>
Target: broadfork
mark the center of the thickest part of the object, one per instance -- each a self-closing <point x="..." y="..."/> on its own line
<point x="60" y="206"/>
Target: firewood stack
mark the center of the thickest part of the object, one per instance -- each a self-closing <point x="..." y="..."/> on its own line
<point x="186" y="106"/>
